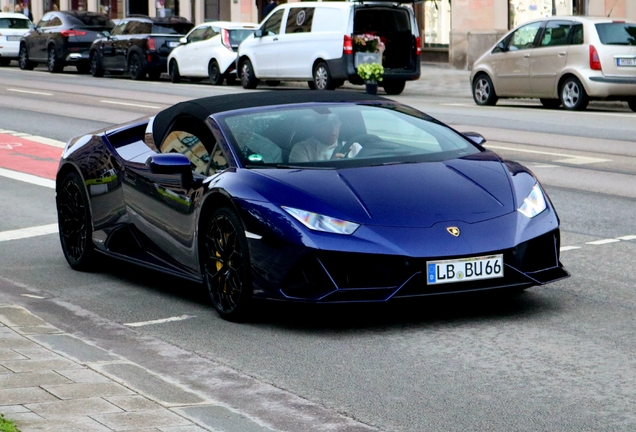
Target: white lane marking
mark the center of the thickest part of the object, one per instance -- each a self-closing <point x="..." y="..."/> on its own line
<point x="27" y="178"/>
<point x="604" y="241"/>
<point x="28" y="232"/>
<point x="33" y="296"/>
<point x="159" y="321"/>
<point x="545" y="166"/>
<point x="567" y="248"/>
<point x="575" y="160"/>
<point x="130" y="104"/>
<point x="30" y="92"/>
<point x="629" y="237"/>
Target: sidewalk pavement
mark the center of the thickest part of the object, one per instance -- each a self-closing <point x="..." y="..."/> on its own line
<point x="53" y="381"/>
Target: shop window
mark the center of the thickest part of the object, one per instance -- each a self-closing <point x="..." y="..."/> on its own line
<point x="520" y="11"/>
<point x="437" y="19"/>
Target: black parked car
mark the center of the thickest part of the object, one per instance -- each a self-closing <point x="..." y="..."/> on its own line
<point x="63" y="38"/>
<point x="139" y="46"/>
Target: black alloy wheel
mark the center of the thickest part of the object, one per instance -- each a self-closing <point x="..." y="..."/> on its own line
<point x="322" y="77"/>
<point x="573" y="95"/>
<point x="23" y="61"/>
<point x="395" y="87"/>
<point x="248" y="79"/>
<point x="136" y="67"/>
<point x="54" y="63"/>
<point x="74" y="223"/>
<point x="175" y="76"/>
<point x="214" y="72"/>
<point x="226" y="265"/>
<point x="484" y="91"/>
<point x="97" y="70"/>
<point x="550" y="103"/>
<point x="5" y="61"/>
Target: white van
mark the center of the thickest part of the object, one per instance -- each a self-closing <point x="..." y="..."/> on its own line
<point x="316" y="42"/>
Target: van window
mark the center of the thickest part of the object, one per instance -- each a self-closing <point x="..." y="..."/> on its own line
<point x="299" y="20"/>
<point x="271" y="27"/>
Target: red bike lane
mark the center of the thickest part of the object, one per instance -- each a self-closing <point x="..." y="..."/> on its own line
<point x="29" y="157"/>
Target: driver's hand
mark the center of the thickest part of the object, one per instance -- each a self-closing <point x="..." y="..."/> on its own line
<point x="338" y="156"/>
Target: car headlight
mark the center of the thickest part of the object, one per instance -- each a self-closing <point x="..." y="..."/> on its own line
<point x="534" y="202"/>
<point x="318" y="222"/>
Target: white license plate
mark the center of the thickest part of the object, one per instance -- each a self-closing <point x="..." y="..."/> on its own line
<point x="464" y="269"/>
<point x="173" y="44"/>
<point x="14" y="38"/>
<point x="626" y="61"/>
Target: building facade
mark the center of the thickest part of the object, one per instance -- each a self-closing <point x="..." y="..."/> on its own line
<point x="452" y="31"/>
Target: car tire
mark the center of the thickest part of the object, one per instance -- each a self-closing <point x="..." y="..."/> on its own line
<point x="394" y="87"/>
<point x="53" y="62"/>
<point x="632" y="104"/>
<point x="214" y="73"/>
<point x="573" y="95"/>
<point x="74" y="223"/>
<point x="23" y="60"/>
<point x="550" y="103"/>
<point x="173" y="70"/>
<point x="272" y="83"/>
<point x="484" y="91"/>
<point x="248" y="78"/>
<point x="5" y="62"/>
<point x="97" y="70"/>
<point x="226" y="265"/>
<point x="136" y="67"/>
<point x="322" y="77"/>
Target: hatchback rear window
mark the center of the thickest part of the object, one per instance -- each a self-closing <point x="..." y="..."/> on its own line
<point x="237" y="36"/>
<point x="14" y="23"/>
<point x="617" y="33"/>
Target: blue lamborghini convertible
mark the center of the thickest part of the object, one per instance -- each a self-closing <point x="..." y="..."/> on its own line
<point x="305" y="196"/>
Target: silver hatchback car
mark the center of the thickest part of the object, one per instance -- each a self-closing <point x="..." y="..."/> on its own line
<point x="566" y="60"/>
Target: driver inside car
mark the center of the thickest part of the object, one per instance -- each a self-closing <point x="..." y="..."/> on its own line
<point x="324" y="143"/>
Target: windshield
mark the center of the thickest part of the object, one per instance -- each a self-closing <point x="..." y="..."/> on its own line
<point x="617" y="33"/>
<point x="340" y="135"/>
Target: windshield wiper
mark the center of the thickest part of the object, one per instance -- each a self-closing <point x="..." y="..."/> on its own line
<point x="283" y="166"/>
<point x="393" y="163"/>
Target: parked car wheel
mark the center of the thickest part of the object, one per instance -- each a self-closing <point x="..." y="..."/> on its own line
<point x="136" y="67"/>
<point x="484" y="91"/>
<point x="394" y="87"/>
<point x="54" y="63"/>
<point x="75" y="223"/>
<point x="214" y="72"/>
<point x="573" y="95"/>
<point x="175" y="76"/>
<point x="322" y="77"/>
<point x="248" y="79"/>
<point x="97" y="70"/>
<point x="550" y="103"/>
<point x="5" y="62"/>
<point x="23" y="61"/>
<point x="226" y="265"/>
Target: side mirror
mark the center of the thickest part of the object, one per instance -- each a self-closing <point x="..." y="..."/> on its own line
<point x="172" y="164"/>
<point x="183" y="41"/>
<point x="258" y="33"/>
<point x="475" y="137"/>
<point x="502" y="47"/>
<point x="106" y="33"/>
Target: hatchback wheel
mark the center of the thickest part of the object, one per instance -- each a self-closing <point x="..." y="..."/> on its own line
<point x="484" y="91"/>
<point x="248" y="78"/>
<point x="322" y="77"/>
<point x="23" y="61"/>
<point x="175" y="76"/>
<point x="394" y="87"/>
<point x="136" y="67"/>
<point x="573" y="95"/>
<point x="226" y="265"/>
<point x="53" y="61"/>
<point x="97" y="69"/>
<point x="214" y="72"/>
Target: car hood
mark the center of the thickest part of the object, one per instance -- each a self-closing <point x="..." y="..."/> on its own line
<point x="405" y="195"/>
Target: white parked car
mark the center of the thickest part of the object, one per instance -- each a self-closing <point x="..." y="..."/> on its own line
<point x="209" y="51"/>
<point x="12" y="27"/>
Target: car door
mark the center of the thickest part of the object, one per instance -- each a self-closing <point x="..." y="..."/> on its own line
<point x="188" y="61"/>
<point x="512" y="68"/>
<point x="38" y="48"/>
<point x="205" y="51"/>
<point x="549" y="58"/>
<point x="108" y="47"/>
<point x="133" y="33"/>
<point x="33" y="37"/>
<point x="265" y="48"/>
<point x="296" y="43"/>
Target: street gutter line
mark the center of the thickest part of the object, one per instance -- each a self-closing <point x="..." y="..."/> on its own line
<point x="159" y="321"/>
<point x="30" y="92"/>
<point x="129" y="104"/>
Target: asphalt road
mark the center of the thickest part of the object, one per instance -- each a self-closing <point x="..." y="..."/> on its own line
<point x="559" y="357"/>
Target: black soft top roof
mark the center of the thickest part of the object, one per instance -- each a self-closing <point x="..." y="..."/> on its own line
<point x="205" y="107"/>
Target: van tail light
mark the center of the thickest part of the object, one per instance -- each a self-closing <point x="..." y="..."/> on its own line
<point x="347" y="45"/>
<point x="595" y="61"/>
<point x="151" y="44"/>
<point x="67" y="33"/>
<point x="418" y="46"/>
<point x="225" y="39"/>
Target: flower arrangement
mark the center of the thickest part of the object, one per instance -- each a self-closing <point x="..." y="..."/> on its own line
<point x="371" y="72"/>
<point x="368" y="42"/>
